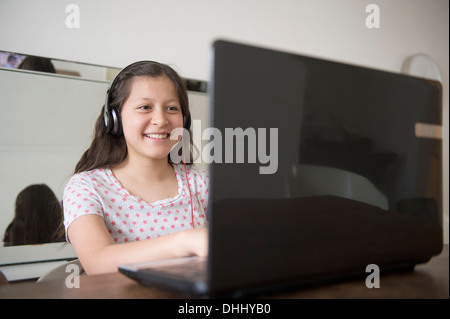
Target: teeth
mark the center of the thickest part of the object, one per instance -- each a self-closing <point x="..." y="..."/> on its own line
<point x="157" y="136"/>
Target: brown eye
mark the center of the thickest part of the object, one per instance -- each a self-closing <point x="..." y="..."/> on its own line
<point x="173" y="108"/>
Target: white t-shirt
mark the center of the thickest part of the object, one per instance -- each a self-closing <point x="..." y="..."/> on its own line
<point x="129" y="218"/>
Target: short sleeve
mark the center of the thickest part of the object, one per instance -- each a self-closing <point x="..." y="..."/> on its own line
<point x="80" y="198"/>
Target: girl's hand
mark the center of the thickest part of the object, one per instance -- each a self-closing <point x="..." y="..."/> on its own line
<point x="196" y="242"/>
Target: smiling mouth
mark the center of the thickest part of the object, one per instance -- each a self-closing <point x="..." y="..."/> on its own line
<point x="157" y="136"/>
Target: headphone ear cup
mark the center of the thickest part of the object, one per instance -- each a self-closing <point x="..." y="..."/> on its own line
<point x="116" y="122"/>
<point x="187" y="121"/>
<point x="107" y="119"/>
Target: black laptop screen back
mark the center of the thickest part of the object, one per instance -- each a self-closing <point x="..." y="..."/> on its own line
<point x="341" y="130"/>
<point x="299" y="127"/>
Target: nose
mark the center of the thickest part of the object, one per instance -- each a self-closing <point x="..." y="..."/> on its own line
<point x="159" y="118"/>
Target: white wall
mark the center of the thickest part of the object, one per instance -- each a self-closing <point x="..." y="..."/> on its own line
<point x="180" y="32"/>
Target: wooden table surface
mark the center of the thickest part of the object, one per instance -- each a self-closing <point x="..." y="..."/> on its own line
<point x="430" y="280"/>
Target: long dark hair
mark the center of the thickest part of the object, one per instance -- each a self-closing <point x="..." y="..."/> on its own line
<point x="38" y="216"/>
<point x="108" y="150"/>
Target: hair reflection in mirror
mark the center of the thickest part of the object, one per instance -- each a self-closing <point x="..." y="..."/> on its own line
<point x="37" y="219"/>
<point x="37" y="64"/>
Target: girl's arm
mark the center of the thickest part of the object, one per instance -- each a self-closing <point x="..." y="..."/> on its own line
<point x="98" y="253"/>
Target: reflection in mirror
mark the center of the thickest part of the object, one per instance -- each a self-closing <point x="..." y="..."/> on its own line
<point x="45" y="126"/>
<point x="37" y="219"/>
<point x="48" y="107"/>
<point x="20" y="61"/>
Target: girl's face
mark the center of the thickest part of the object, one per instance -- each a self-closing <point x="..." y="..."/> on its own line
<point x="149" y="114"/>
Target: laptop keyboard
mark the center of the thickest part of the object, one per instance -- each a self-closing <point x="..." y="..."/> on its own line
<point x="193" y="270"/>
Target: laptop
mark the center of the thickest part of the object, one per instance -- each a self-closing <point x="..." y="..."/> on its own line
<point x="324" y="169"/>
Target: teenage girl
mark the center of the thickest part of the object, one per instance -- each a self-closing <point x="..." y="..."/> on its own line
<point x="127" y="202"/>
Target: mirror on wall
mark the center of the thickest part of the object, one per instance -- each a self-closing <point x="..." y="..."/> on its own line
<point x="49" y="108"/>
<point x="84" y="71"/>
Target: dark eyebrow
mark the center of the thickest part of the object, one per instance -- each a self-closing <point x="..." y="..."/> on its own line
<point x="150" y="99"/>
